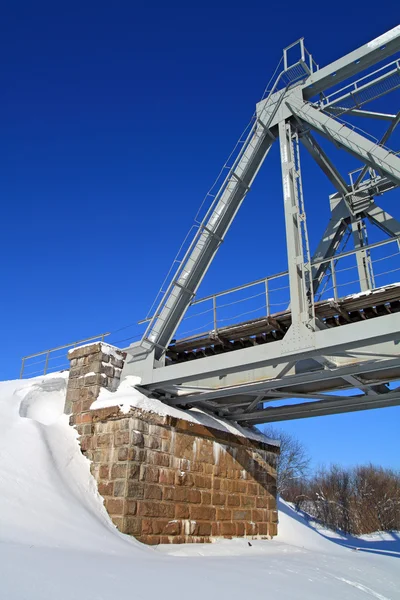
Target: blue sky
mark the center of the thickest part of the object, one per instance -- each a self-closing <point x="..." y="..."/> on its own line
<point x="115" y="119"/>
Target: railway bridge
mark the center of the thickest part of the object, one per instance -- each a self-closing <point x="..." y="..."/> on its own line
<point x="332" y="343"/>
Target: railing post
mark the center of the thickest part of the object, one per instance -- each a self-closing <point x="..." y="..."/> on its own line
<point x="215" y="313"/>
<point x="22" y="368"/>
<point x="333" y="272"/>
<point x="47" y="362"/>
<point x="267" y="297"/>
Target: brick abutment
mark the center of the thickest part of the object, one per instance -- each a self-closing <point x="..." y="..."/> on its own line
<point x="166" y="479"/>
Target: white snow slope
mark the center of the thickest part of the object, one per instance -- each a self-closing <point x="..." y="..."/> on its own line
<point x="57" y="542"/>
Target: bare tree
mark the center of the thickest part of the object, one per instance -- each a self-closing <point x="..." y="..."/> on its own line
<point x="294" y="461"/>
<point x="355" y="500"/>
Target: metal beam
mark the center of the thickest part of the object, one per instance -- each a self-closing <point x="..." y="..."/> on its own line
<point x="202" y="251"/>
<point x="322" y="160"/>
<point x="367" y="151"/>
<point x="291" y="381"/>
<point x="299" y="260"/>
<point x="318" y="409"/>
<point x="327" y="342"/>
<point x="383" y="220"/>
<point x="361" y="113"/>
<point x="353" y="63"/>
<point x="382" y="142"/>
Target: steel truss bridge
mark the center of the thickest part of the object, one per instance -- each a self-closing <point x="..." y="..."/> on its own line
<point x="315" y="346"/>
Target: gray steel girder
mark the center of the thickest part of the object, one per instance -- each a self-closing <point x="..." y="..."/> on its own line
<point x="206" y="244"/>
<point x="383" y="220"/>
<point x="318" y="409"/>
<point x="353" y="63"/>
<point x="367" y="151"/>
<point x="335" y="341"/>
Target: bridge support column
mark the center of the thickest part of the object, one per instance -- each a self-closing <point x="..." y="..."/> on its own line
<point x="171" y="478"/>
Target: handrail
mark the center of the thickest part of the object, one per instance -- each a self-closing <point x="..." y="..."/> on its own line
<point x="336" y="257"/>
<point x="101" y="336"/>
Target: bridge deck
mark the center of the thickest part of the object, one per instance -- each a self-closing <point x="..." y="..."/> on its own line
<point x="332" y="313"/>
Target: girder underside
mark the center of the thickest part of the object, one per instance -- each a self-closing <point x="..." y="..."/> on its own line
<point x="361" y="357"/>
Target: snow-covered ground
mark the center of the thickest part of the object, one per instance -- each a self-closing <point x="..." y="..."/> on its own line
<point x="57" y="543"/>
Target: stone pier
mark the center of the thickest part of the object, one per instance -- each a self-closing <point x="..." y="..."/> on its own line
<point x="166" y="479"/>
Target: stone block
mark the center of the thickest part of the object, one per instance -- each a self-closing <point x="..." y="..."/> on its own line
<point x="219" y="498"/>
<point x="158" y="458"/>
<point x="204" y="529"/>
<point x="227" y="528"/>
<point x="137" y="454"/>
<point x="152" y="442"/>
<point x="167" y="476"/>
<point x="168" y="493"/>
<point x="240" y="528"/>
<point x="149" y="473"/>
<point x="184" y="479"/>
<point x="206" y="497"/>
<point x="262" y="528"/>
<point x="233" y="500"/>
<point x="224" y="514"/>
<point x="202" y="513"/>
<point x="106" y="488"/>
<point x="133" y="471"/>
<point x="241" y="515"/>
<point x="251" y="528"/>
<point x="119" y="471"/>
<point x="123" y="453"/>
<point x="272" y="529"/>
<point x="120" y="487"/>
<point x="147" y="508"/>
<point x="114" y="506"/>
<point x="104" y="439"/>
<point x="182" y="511"/>
<point x="153" y="492"/>
<point x="139" y="425"/>
<point x="137" y="439"/>
<point x="121" y="438"/>
<point x="203" y="481"/>
<point x="248" y="501"/>
<point x="133" y="526"/>
<point x="104" y="472"/>
<point x="130" y="507"/>
<point x="135" y="490"/>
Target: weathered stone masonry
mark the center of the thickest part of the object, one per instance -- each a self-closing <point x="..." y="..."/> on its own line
<point x="165" y="479"/>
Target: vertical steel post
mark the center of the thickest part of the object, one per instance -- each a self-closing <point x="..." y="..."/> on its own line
<point x="364" y="264"/>
<point x="334" y="282"/>
<point x="215" y="313"/>
<point x="21" y="374"/>
<point x="46" y="363"/>
<point x="267" y="297"/>
<point x="299" y="263"/>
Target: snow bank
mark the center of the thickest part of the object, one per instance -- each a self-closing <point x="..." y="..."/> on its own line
<point x="127" y="397"/>
<point x="57" y="542"/>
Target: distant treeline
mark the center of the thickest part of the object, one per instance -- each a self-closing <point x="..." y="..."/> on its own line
<point x="356" y="500"/>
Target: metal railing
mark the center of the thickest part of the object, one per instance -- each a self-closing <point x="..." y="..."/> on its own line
<point x="53" y="354"/>
<point x="271" y="295"/>
<point x="262" y="297"/>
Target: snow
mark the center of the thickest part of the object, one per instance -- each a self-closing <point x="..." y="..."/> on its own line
<point x="105" y="348"/>
<point x="127" y="397"/>
<point x="57" y="542"/>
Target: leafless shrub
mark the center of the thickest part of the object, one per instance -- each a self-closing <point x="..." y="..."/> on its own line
<point x="359" y="500"/>
<point x="294" y="461"/>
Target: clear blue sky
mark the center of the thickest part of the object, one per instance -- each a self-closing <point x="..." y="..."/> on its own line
<point x="115" y="119"/>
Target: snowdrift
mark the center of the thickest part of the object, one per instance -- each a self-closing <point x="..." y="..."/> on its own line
<point x="57" y="542"/>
